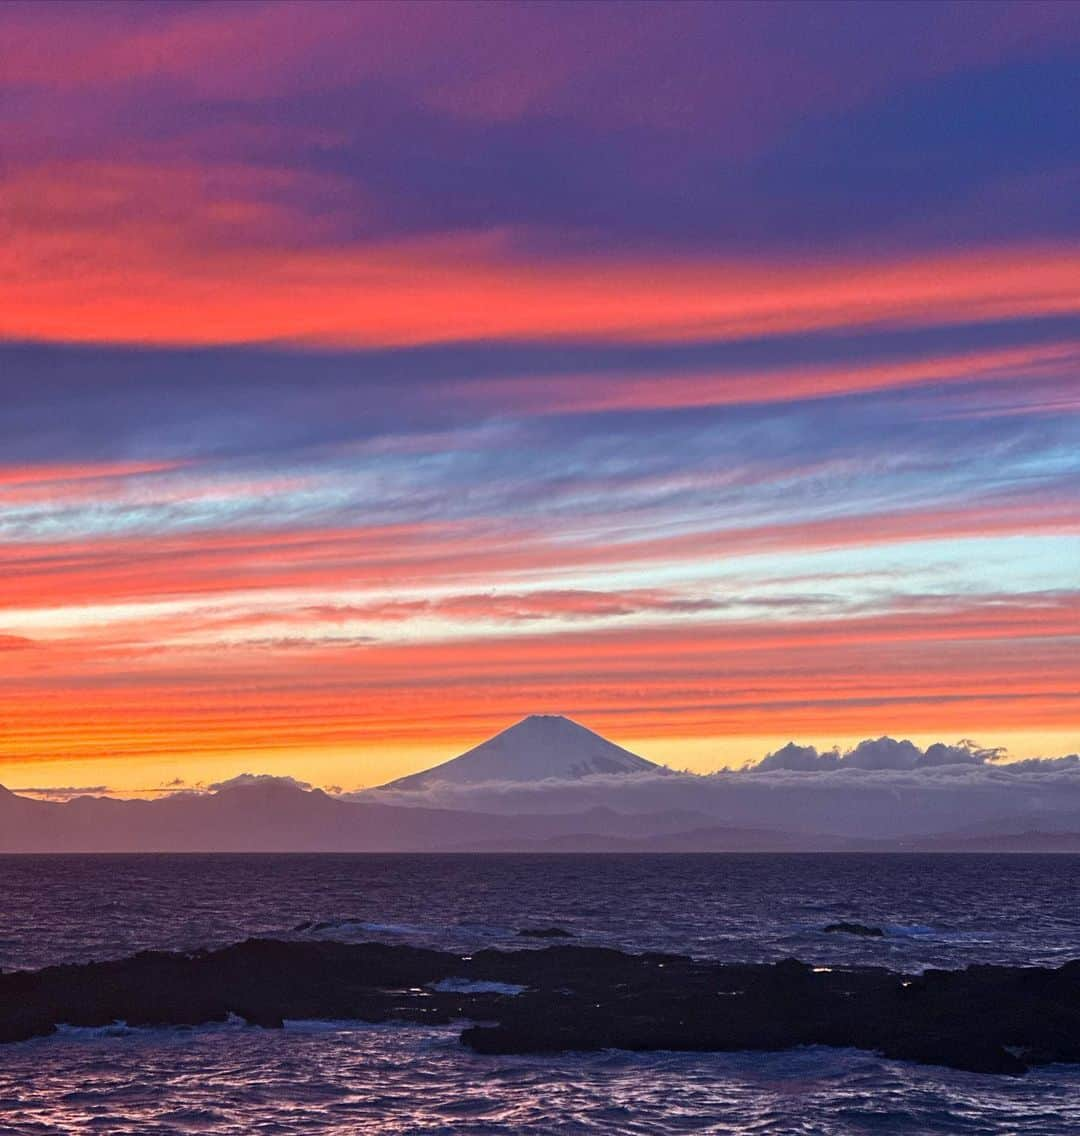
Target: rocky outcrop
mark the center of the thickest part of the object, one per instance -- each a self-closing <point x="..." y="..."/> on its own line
<point x="987" y="1019"/>
<point x="855" y="929"/>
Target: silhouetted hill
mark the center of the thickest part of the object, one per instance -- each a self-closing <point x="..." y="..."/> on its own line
<point x="272" y="816"/>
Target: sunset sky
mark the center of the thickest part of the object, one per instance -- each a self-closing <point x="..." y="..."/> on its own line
<point x="375" y="375"/>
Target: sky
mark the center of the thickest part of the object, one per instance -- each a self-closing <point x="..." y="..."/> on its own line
<point x="374" y="375"/>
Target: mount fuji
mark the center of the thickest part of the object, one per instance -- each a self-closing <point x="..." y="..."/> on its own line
<point x="538" y="748"/>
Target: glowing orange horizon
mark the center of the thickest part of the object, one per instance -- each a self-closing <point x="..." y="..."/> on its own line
<point x="1004" y="666"/>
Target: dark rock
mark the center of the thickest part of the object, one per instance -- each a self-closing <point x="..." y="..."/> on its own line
<point x="855" y="929"/>
<point x="544" y="933"/>
<point x="985" y="1018"/>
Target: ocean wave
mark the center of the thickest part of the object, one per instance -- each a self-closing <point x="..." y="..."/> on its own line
<point x="911" y="930"/>
<point x="383" y="1080"/>
<point x="120" y="1029"/>
<point x="468" y="986"/>
<point x="352" y="926"/>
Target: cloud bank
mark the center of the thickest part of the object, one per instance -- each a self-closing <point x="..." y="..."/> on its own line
<point x="63" y="792"/>
<point x="246" y="780"/>
<point x="881" y="753"/>
<point x="883" y="787"/>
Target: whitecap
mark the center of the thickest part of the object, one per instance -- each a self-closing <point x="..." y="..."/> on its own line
<point x="468" y="986"/>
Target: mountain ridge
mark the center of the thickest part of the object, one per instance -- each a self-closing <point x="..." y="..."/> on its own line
<point x="539" y="747"/>
<point x="287" y="818"/>
<point x="545" y="784"/>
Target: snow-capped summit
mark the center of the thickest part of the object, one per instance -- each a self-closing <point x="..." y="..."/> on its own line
<point x="537" y="748"/>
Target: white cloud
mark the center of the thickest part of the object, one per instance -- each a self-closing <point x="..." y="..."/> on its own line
<point x="877" y="753"/>
<point x="793" y="756"/>
<point x="245" y="779"/>
<point x="64" y="792"/>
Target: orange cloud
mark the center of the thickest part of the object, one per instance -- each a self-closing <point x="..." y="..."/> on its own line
<point x="148" y="566"/>
<point x="186" y="254"/>
<point x="1006" y="665"/>
<point x="561" y="394"/>
<point x="51" y="475"/>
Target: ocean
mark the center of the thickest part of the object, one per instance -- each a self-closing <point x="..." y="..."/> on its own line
<point x="344" y="1077"/>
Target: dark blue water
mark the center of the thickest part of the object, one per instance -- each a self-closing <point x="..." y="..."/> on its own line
<point x="343" y="1078"/>
<point x="939" y="910"/>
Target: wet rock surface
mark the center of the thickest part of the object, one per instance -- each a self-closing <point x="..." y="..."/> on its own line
<point x="986" y="1018"/>
<point x="855" y="929"/>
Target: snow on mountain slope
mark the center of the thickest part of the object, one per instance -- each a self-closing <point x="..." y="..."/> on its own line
<point x="537" y="748"/>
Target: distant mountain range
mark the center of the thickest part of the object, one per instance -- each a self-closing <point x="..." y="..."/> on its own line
<point x="276" y="815"/>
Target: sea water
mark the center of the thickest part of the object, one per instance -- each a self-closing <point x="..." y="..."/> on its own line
<point x="344" y="1077"/>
